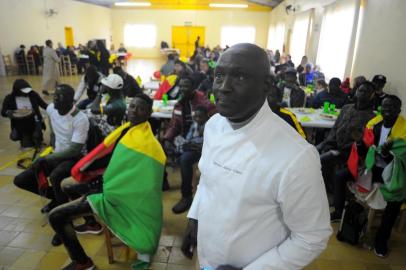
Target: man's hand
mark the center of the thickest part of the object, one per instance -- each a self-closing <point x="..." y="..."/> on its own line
<point x="9" y="114"/>
<point x="386" y="147"/>
<point x="190" y="239"/>
<point x="227" y="267"/>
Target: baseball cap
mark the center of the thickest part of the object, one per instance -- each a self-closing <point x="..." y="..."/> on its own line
<point x="113" y="81"/>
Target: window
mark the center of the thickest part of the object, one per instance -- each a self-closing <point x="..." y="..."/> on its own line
<point x="299" y="37"/>
<point x="276" y="37"/>
<point x="231" y="35"/>
<point x="140" y="35"/>
<point x="335" y="38"/>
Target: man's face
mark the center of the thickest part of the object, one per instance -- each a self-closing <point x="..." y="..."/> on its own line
<point x="290" y="77"/>
<point x="389" y="110"/>
<point x="200" y="117"/>
<point x="204" y="67"/>
<point x="138" y="111"/>
<point x="178" y="68"/>
<point x="239" y="88"/>
<point x="62" y="102"/>
<point x="364" y="96"/>
<point x="186" y="88"/>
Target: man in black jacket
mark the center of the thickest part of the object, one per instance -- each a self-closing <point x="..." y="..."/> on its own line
<point x="130" y="87"/>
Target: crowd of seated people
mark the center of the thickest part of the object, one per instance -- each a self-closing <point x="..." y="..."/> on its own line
<point x="73" y="119"/>
<point x="93" y="53"/>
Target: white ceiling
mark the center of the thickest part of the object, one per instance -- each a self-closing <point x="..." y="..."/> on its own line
<point x="109" y="3"/>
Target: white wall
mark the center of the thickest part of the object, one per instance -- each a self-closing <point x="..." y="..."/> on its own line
<point x="381" y="46"/>
<point x="381" y="39"/>
<point x="165" y="19"/>
<point x="24" y="22"/>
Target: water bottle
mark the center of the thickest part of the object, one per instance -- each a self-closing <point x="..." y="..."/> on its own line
<point x="212" y="99"/>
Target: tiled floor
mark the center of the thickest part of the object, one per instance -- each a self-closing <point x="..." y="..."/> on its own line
<point x="25" y="234"/>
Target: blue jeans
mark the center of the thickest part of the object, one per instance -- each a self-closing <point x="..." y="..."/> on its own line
<point x="187" y="160"/>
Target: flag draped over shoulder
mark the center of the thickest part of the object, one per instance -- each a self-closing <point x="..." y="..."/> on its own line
<point x="131" y="202"/>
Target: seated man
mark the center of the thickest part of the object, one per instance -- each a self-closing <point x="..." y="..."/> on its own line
<point x="182" y="114"/>
<point x="385" y="132"/>
<point x="131" y="201"/>
<point x="274" y="99"/>
<point x="379" y="81"/>
<point x="169" y="66"/>
<point x="130" y="87"/>
<point x="293" y="95"/>
<point x="307" y="77"/>
<point x="110" y="102"/>
<point x="90" y="83"/>
<point x="346" y="130"/>
<point x="191" y="150"/>
<point x="70" y="128"/>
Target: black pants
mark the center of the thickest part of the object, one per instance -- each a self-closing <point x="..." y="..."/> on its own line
<point x="329" y="162"/>
<point x="382" y="236"/>
<point x="187" y="160"/>
<point x="340" y="179"/>
<point x="61" y="218"/>
<point x="75" y="190"/>
<point x="57" y="171"/>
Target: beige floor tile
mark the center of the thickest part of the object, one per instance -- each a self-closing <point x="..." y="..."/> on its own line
<point x="3" y="207"/>
<point x="7" y="236"/>
<point x="162" y="254"/>
<point x="323" y="264"/>
<point x="158" y="266"/>
<point x="29" y="259"/>
<point x="9" y="255"/>
<point x="180" y="267"/>
<point x="167" y="240"/>
<point x="373" y="266"/>
<point x="33" y="241"/>
<point x="177" y="257"/>
<point x="53" y="260"/>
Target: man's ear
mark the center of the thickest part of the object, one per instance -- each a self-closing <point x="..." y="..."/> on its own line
<point x="270" y="83"/>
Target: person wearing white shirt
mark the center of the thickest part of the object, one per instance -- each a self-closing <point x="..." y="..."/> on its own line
<point x="70" y="129"/>
<point x="261" y="202"/>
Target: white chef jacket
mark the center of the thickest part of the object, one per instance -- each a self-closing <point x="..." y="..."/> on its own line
<point x="261" y="202"/>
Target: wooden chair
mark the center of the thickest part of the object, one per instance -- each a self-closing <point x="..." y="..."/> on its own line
<point x="109" y="245"/>
<point x="11" y="69"/>
<point x="66" y="66"/>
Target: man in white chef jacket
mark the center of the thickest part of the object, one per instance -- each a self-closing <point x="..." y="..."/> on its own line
<point x="261" y="202"/>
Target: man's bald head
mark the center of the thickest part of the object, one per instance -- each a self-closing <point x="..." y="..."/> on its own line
<point x="257" y="56"/>
<point x="242" y="81"/>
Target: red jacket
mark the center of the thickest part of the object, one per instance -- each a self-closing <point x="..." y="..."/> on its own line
<point x="177" y="124"/>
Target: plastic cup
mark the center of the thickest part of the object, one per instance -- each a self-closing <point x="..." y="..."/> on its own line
<point x="326" y="107"/>
<point x="332" y="108"/>
<point x="165" y="99"/>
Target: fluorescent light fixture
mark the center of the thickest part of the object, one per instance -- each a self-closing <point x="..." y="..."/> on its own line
<point x="132" y="4"/>
<point x="217" y="5"/>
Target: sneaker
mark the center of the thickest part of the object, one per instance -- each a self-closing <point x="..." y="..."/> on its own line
<point x="47" y="208"/>
<point x="89" y="265"/>
<point x="89" y="229"/>
<point x="381" y="253"/>
<point x="335" y="217"/>
<point x="183" y="205"/>
<point x="56" y="241"/>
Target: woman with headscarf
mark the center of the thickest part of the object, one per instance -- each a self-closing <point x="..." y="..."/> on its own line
<point x="22" y="107"/>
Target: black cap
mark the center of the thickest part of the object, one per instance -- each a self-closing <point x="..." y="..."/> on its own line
<point x="291" y="70"/>
<point x="379" y="79"/>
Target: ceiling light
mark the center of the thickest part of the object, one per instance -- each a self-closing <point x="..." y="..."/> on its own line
<point x="132" y="4"/>
<point x="215" y="5"/>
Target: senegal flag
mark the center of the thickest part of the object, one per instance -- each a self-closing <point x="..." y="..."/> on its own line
<point x="131" y="202"/>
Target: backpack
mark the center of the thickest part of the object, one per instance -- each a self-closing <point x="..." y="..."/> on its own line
<point x="353" y="223"/>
